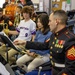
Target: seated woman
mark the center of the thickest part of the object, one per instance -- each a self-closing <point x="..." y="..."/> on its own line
<point x="35" y="56"/>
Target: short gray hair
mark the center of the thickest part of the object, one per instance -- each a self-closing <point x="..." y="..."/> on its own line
<point x="62" y="15"/>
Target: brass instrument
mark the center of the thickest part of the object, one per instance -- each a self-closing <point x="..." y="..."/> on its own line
<point x="3" y="26"/>
<point x="16" y="20"/>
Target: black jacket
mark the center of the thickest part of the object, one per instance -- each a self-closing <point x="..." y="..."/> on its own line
<point x="29" y="2"/>
<point x="62" y="51"/>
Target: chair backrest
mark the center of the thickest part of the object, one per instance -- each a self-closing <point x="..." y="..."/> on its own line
<point x="45" y="66"/>
<point x="39" y="12"/>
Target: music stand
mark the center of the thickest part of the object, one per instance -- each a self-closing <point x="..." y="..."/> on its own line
<point x="8" y="43"/>
<point x="7" y="40"/>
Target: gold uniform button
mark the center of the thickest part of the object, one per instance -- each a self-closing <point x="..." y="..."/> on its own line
<point x="66" y="32"/>
<point x="52" y="63"/>
<point x="57" y="51"/>
<point x="62" y="46"/>
<point x="59" y="46"/>
<point x="50" y="52"/>
<point x="50" y="57"/>
<point x="51" y="47"/>
<point x="55" y="45"/>
<point x="56" y="33"/>
<point x="52" y="42"/>
<point x="55" y="38"/>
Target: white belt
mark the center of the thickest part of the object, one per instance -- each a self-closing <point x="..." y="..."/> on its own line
<point x="57" y="64"/>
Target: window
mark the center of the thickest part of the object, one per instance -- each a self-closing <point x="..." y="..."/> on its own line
<point x="1" y="3"/>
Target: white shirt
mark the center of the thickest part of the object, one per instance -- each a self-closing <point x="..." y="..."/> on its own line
<point x="3" y="70"/>
<point x="26" y="30"/>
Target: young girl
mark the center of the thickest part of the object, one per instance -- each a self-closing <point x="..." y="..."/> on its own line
<point x="35" y="56"/>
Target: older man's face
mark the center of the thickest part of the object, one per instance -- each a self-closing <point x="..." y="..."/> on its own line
<point x="52" y="23"/>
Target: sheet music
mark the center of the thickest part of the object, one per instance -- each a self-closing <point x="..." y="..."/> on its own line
<point x="3" y="70"/>
<point x="9" y="41"/>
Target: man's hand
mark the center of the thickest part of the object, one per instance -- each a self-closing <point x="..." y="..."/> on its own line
<point x="27" y="51"/>
<point x="19" y="42"/>
<point x="32" y="54"/>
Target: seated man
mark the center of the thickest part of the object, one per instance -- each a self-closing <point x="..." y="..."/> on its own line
<point x="26" y="31"/>
<point x="61" y="45"/>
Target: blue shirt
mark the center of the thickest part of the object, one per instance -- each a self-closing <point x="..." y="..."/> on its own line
<point x="40" y="37"/>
